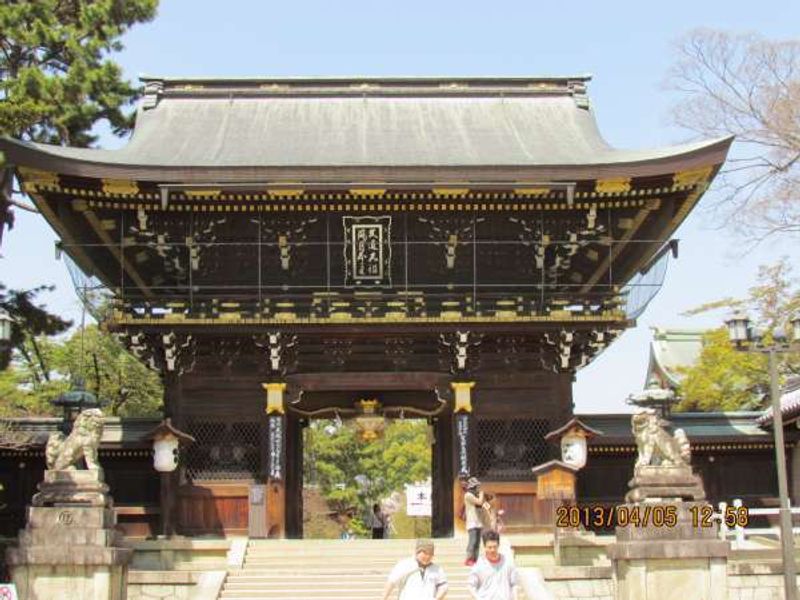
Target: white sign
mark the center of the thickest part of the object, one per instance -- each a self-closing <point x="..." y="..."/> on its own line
<point x="8" y="591"/>
<point x="418" y="500"/>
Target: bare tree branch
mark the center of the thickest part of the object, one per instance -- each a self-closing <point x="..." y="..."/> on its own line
<point x="749" y="87"/>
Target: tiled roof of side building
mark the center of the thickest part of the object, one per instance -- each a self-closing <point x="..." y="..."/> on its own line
<point x="699" y="427"/>
<point x="672" y="350"/>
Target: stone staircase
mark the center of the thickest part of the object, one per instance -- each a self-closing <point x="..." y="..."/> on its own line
<point x="333" y="569"/>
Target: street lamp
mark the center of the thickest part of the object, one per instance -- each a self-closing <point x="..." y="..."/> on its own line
<point x="6" y="323"/>
<point x="5" y="326"/>
<point x="748" y="339"/>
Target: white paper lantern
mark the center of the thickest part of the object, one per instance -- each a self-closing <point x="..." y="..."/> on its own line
<point x="165" y="453"/>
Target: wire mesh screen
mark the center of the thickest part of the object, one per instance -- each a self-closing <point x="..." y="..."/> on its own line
<point x="223" y="450"/>
<point x="644" y="286"/>
<point x="507" y="449"/>
<point x="94" y="295"/>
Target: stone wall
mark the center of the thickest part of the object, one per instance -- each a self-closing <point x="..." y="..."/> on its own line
<point x="579" y="583"/>
<point x="161" y="585"/>
<point x="752" y="581"/>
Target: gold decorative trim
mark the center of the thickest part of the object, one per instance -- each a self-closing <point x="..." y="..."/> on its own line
<point x="285" y="193"/>
<point x="450" y="192"/>
<point x="533" y="191"/>
<point x="34" y="180"/>
<point x="119" y="187"/>
<point x="202" y="193"/>
<point x="463" y="395"/>
<point x="367" y="192"/>
<point x="394" y="317"/>
<point x="274" y="397"/>
<point x="691" y="177"/>
<point x="617" y="185"/>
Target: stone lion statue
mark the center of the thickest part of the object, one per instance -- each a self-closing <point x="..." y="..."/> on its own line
<point x="655" y="445"/>
<point x="64" y="453"/>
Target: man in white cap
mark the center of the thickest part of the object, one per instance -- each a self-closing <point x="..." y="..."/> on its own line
<point x="416" y="577"/>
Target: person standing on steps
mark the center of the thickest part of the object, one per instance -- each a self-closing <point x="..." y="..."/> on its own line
<point x="474" y="503"/>
<point x="416" y="577"/>
<point x="493" y="576"/>
<point x="377" y="522"/>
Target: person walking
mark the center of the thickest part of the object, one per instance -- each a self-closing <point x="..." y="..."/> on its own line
<point x="416" y="577"/>
<point x="493" y="576"/>
<point x="377" y="522"/>
<point x="474" y="503"/>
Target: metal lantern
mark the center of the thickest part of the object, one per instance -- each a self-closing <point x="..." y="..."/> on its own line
<point x="738" y="327"/>
<point x="795" y="323"/>
<point x="5" y="326"/>
<point x="73" y="402"/>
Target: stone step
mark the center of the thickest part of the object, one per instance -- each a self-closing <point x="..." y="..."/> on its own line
<point x="333" y="569"/>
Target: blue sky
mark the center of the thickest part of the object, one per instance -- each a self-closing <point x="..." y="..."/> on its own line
<point x="627" y="47"/>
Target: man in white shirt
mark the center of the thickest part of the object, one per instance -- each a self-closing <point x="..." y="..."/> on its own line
<point x="493" y="576"/>
<point x="416" y="577"/>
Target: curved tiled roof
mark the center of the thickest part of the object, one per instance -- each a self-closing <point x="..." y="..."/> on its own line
<point x="369" y="123"/>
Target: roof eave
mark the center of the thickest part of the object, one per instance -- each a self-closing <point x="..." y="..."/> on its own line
<point x="53" y="159"/>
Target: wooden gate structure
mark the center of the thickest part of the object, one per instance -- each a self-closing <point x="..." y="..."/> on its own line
<point x="283" y="248"/>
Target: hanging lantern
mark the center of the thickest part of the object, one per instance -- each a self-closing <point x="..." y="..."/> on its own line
<point x="369" y="423"/>
<point x="166" y="441"/>
<point x="572" y="438"/>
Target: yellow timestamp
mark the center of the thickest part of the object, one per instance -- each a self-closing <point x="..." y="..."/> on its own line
<point x="703" y="515"/>
<point x="646" y="515"/>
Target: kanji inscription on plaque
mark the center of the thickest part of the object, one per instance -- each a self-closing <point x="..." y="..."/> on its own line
<point x="367" y="251"/>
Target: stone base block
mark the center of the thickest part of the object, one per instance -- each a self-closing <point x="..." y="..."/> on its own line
<point x="67" y="555"/>
<point x="66" y="517"/>
<point x="661" y="521"/>
<point x="662" y="483"/>
<point x="72" y="487"/>
<point x="671" y="579"/>
<point x="81" y="536"/>
<point x="42" y="582"/>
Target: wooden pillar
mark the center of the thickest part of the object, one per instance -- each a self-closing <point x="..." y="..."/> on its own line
<point x="294" y="477"/>
<point x="169" y="482"/>
<point x="276" y="460"/>
<point x="442" y="476"/>
<point x="462" y="438"/>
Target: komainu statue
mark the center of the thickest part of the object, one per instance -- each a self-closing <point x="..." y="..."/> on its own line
<point x="83" y="442"/>
<point x="663" y="470"/>
<point x="656" y="446"/>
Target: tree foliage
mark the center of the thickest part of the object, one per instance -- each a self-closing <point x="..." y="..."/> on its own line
<point x="122" y="383"/>
<point x="726" y="379"/>
<point x="746" y="86"/>
<point x="353" y="474"/>
<point x="31" y="323"/>
<point x="56" y="78"/>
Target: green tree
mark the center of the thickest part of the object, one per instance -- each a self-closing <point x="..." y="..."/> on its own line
<point x="31" y="324"/>
<point x="353" y="474"/>
<point x="726" y="379"/>
<point x="110" y="372"/>
<point x="56" y="78"/>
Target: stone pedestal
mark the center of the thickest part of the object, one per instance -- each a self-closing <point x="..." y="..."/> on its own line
<point x="69" y="548"/>
<point x="654" y="482"/>
<point x="669" y="559"/>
